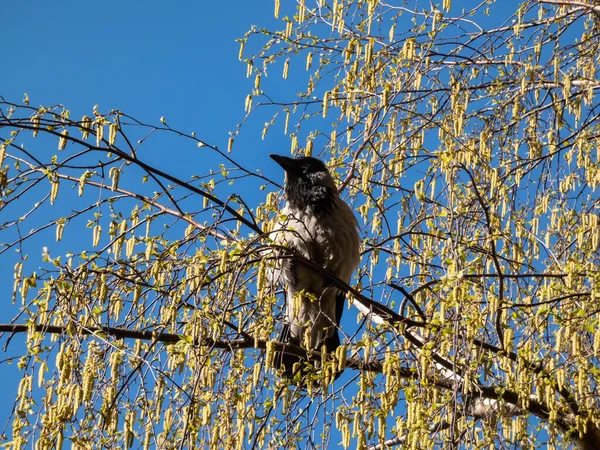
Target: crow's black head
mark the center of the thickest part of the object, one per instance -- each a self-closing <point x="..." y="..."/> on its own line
<point x="308" y="183"/>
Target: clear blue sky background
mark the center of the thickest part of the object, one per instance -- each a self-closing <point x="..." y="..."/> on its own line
<point x="148" y="59"/>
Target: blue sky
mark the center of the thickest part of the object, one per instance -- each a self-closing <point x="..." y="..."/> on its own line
<point x="140" y="57"/>
<point x="144" y="58"/>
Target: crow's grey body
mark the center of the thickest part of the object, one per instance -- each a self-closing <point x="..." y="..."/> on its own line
<point x="321" y="227"/>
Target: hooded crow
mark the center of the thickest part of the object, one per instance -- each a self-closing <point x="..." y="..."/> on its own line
<point x="317" y="224"/>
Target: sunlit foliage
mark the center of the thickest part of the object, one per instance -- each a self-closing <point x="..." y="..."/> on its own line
<point x="467" y="140"/>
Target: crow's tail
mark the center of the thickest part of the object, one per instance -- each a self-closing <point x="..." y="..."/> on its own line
<point x="331" y="342"/>
<point x="283" y="359"/>
<point x="287" y="360"/>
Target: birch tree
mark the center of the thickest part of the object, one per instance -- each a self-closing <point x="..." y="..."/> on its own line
<point x="466" y="139"/>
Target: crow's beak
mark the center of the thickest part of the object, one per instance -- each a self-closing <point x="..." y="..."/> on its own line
<point x="288" y="164"/>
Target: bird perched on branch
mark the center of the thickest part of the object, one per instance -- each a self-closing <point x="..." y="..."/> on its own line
<point x="318" y="225"/>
